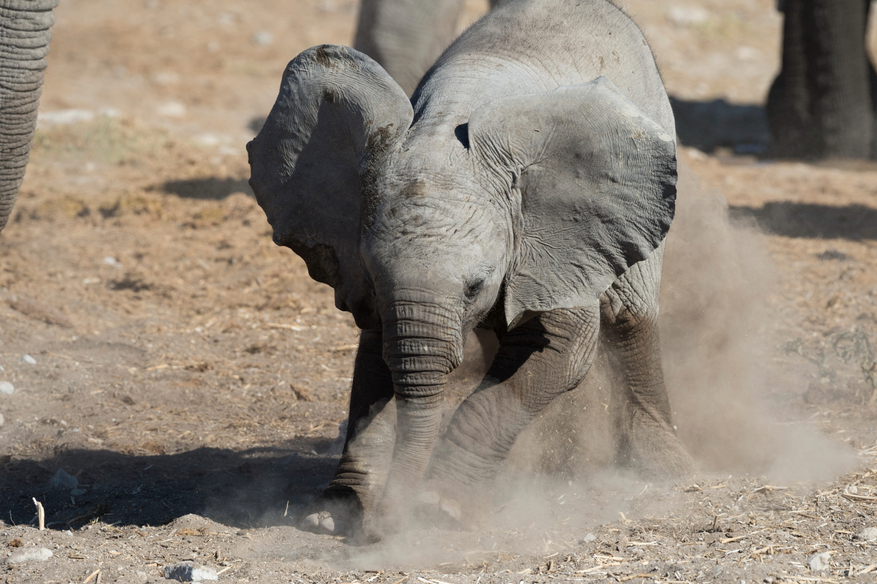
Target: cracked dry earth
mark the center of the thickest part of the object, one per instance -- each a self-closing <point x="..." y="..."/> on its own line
<point x="179" y="382"/>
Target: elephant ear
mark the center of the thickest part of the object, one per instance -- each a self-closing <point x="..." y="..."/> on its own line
<point x="336" y="117"/>
<point x="597" y="185"/>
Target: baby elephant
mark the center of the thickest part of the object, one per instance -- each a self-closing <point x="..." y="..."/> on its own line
<point x="526" y="188"/>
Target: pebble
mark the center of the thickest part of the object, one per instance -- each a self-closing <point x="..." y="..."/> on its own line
<point x="64" y="117"/>
<point x="589" y="538"/>
<point x="189" y="572"/>
<point x="819" y="562"/>
<point x="28" y="359"/>
<point x="1" y="420"/>
<point x="7" y="388"/>
<point x="867" y="534"/>
<point x="262" y="38"/>
<point x="63" y="480"/>
<point x="684" y="16"/>
<point x="32" y="555"/>
<point x="171" y="109"/>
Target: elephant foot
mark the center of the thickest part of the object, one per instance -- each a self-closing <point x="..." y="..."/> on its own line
<point x="321" y="522"/>
<point x="451" y="508"/>
<point x="655" y="454"/>
<point x="333" y="513"/>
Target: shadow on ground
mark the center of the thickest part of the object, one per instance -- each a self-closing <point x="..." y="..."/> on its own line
<point x="809" y="220"/>
<point x="205" y="188"/>
<point x="708" y="125"/>
<point x="258" y="487"/>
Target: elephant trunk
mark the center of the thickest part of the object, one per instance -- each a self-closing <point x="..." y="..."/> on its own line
<point x="24" y="43"/>
<point x="422" y="345"/>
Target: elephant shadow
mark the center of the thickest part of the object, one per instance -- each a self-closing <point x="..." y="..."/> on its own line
<point x="209" y="188"/>
<point x="810" y="220"/>
<point x="257" y="487"/>
<point x="710" y="125"/>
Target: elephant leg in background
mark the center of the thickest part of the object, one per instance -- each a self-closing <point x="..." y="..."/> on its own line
<point x="647" y="441"/>
<point x="406" y="36"/>
<point x="368" y="449"/>
<point x="537" y="361"/>
<point x="24" y="43"/>
<point x="821" y="103"/>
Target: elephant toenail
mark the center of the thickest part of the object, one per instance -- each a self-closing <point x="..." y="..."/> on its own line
<point x="328" y="524"/>
<point x="428" y="498"/>
<point x="310" y="522"/>
<point x="452" y="508"/>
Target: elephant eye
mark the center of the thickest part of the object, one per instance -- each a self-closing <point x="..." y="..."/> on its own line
<point x="473" y="287"/>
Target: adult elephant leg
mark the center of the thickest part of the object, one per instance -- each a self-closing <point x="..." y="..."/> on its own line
<point x="789" y="100"/>
<point x="820" y="105"/>
<point x="406" y="36"/>
<point x="24" y="43"/>
<point x="368" y="447"/>
<point x="537" y="361"/>
<point x="843" y="93"/>
<point x="647" y="438"/>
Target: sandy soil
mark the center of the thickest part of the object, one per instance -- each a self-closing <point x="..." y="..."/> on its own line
<point x="189" y="379"/>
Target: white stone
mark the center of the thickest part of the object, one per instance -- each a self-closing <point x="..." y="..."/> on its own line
<point x="189" y="572"/>
<point x="171" y="109"/>
<point x="819" y="562"/>
<point x="6" y="388"/>
<point x="64" y="117"/>
<point x="31" y="555"/>
<point x="867" y="534"/>
<point x="687" y="15"/>
<point x="262" y="38"/>
<point x="63" y="480"/>
<point x="28" y="359"/>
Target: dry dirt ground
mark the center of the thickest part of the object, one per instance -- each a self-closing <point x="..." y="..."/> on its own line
<point x="189" y="379"/>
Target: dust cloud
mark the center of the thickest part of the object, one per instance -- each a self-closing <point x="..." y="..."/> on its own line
<point x="717" y="340"/>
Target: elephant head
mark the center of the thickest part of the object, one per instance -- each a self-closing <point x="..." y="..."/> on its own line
<point x="427" y="226"/>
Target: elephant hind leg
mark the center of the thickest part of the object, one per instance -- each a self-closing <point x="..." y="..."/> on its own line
<point x="537" y="361"/>
<point x="647" y="439"/>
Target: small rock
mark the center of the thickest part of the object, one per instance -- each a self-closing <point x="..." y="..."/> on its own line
<point x="683" y="16"/>
<point x="189" y="572"/>
<point x="28" y="359"/>
<point x="171" y="109"/>
<point x="63" y="480"/>
<point x="262" y="38"/>
<point x="31" y="555"/>
<point x="1" y="420"/>
<point x="111" y="261"/>
<point x="819" y="562"/>
<point x="589" y="538"/>
<point x="867" y="534"/>
<point x="64" y="117"/>
<point x="7" y="388"/>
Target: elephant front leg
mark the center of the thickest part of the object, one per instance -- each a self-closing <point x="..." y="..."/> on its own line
<point x="368" y="447"/>
<point x="536" y="362"/>
<point x="647" y="440"/>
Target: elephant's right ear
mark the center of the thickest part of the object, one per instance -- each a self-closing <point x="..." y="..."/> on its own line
<point x="337" y="116"/>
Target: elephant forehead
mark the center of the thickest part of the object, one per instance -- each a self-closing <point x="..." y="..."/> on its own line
<point x="423" y="210"/>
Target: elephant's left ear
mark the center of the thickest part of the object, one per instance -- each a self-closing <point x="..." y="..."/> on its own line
<point x="596" y="181"/>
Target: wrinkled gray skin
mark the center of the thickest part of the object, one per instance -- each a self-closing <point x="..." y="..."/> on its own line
<point x="406" y="36"/>
<point x="24" y="43"/>
<point x="528" y="191"/>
